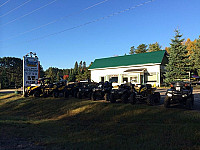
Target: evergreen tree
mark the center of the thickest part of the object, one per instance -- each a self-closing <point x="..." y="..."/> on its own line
<point x="80" y="67"/>
<point x="76" y="68"/>
<point x="84" y="66"/>
<point x="178" y="66"/>
<point x="132" y="50"/>
<point x="142" y="48"/>
<point x="154" y="47"/>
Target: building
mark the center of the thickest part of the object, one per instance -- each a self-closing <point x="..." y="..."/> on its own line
<point x="144" y="68"/>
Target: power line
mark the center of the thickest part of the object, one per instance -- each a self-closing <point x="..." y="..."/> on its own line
<point x="4" y="3"/>
<point x="87" y="23"/>
<point x="15" y="8"/>
<point x="102" y="18"/>
<point x="28" y="13"/>
<point x="54" y="21"/>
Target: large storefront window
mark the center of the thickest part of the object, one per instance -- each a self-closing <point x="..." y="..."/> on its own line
<point x="114" y="80"/>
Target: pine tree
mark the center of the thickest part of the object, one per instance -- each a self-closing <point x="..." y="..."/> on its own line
<point x="84" y="66"/>
<point x="154" y="47"/>
<point x="178" y="66"/>
<point x="76" y="68"/>
<point x="142" y="48"/>
<point x="132" y="50"/>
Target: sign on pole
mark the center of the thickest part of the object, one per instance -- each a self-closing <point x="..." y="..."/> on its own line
<point x="30" y="70"/>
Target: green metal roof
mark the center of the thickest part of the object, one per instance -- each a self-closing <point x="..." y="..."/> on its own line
<point x="127" y="60"/>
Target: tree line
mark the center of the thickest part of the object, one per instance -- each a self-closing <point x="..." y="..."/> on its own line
<point x="78" y="73"/>
<point x="11" y="72"/>
<point x="143" y="48"/>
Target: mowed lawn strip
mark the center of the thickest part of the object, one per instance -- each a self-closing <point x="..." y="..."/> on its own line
<point x="48" y="123"/>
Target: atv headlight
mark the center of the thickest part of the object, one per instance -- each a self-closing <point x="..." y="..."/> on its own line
<point x="184" y="95"/>
<point x="169" y="94"/>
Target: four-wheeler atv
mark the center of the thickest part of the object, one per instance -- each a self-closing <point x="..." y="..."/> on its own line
<point x="60" y="90"/>
<point x="76" y="87"/>
<point x="85" y="90"/>
<point x="123" y="93"/>
<point x="39" y="89"/>
<point x="145" y="93"/>
<point x="102" y="91"/>
<point x="180" y="92"/>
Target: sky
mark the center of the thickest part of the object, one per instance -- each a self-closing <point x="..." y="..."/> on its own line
<point x="80" y="34"/>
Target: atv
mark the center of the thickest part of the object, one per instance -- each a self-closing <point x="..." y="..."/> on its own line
<point x="60" y="90"/>
<point x="85" y="91"/>
<point x="180" y="92"/>
<point x="145" y="93"/>
<point x="37" y="90"/>
<point x="123" y="93"/>
<point x="102" y="91"/>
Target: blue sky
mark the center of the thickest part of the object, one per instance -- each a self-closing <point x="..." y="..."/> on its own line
<point x="150" y="23"/>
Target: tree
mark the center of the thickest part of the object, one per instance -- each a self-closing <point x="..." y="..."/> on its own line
<point x="80" y="67"/>
<point x="42" y="73"/>
<point x="76" y="68"/>
<point x="195" y="57"/>
<point x="167" y="49"/>
<point x="154" y="47"/>
<point x="132" y="50"/>
<point x="178" y="65"/>
<point x="11" y="72"/>
<point x="142" y="48"/>
<point x="84" y="66"/>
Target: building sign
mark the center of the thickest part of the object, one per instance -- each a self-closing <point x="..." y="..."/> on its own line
<point x="30" y="69"/>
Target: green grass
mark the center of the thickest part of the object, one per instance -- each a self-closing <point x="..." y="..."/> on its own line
<point x="83" y="124"/>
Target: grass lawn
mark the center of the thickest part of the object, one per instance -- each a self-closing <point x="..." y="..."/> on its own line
<point x="48" y="123"/>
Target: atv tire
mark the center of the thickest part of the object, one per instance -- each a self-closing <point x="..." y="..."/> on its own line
<point x="157" y="97"/>
<point x="36" y="94"/>
<point x="75" y="94"/>
<point x="167" y="102"/>
<point x="93" y="97"/>
<point x="124" y="98"/>
<point x="132" y="99"/>
<point x="112" y="98"/>
<point x="66" y="94"/>
<point x="79" y="95"/>
<point x="107" y="96"/>
<point x="150" y="100"/>
<point x="55" y="94"/>
<point x="26" y="94"/>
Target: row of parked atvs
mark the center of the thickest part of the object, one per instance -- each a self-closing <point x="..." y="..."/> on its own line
<point x="180" y="92"/>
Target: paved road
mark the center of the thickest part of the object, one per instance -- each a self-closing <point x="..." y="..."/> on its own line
<point x="196" y="97"/>
<point x="9" y="90"/>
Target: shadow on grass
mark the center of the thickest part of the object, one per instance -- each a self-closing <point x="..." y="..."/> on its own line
<point x="84" y="124"/>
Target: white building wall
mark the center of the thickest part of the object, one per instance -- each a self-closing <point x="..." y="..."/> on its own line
<point x="96" y="74"/>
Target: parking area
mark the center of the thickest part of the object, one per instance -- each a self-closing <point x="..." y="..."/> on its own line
<point x="196" y="97"/>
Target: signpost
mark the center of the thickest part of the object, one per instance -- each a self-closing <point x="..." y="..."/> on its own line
<point x="30" y="70"/>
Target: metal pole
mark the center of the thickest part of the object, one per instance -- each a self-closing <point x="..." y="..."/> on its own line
<point x="23" y="77"/>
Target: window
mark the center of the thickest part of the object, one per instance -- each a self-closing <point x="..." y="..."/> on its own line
<point x="125" y="80"/>
<point x="114" y="80"/>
